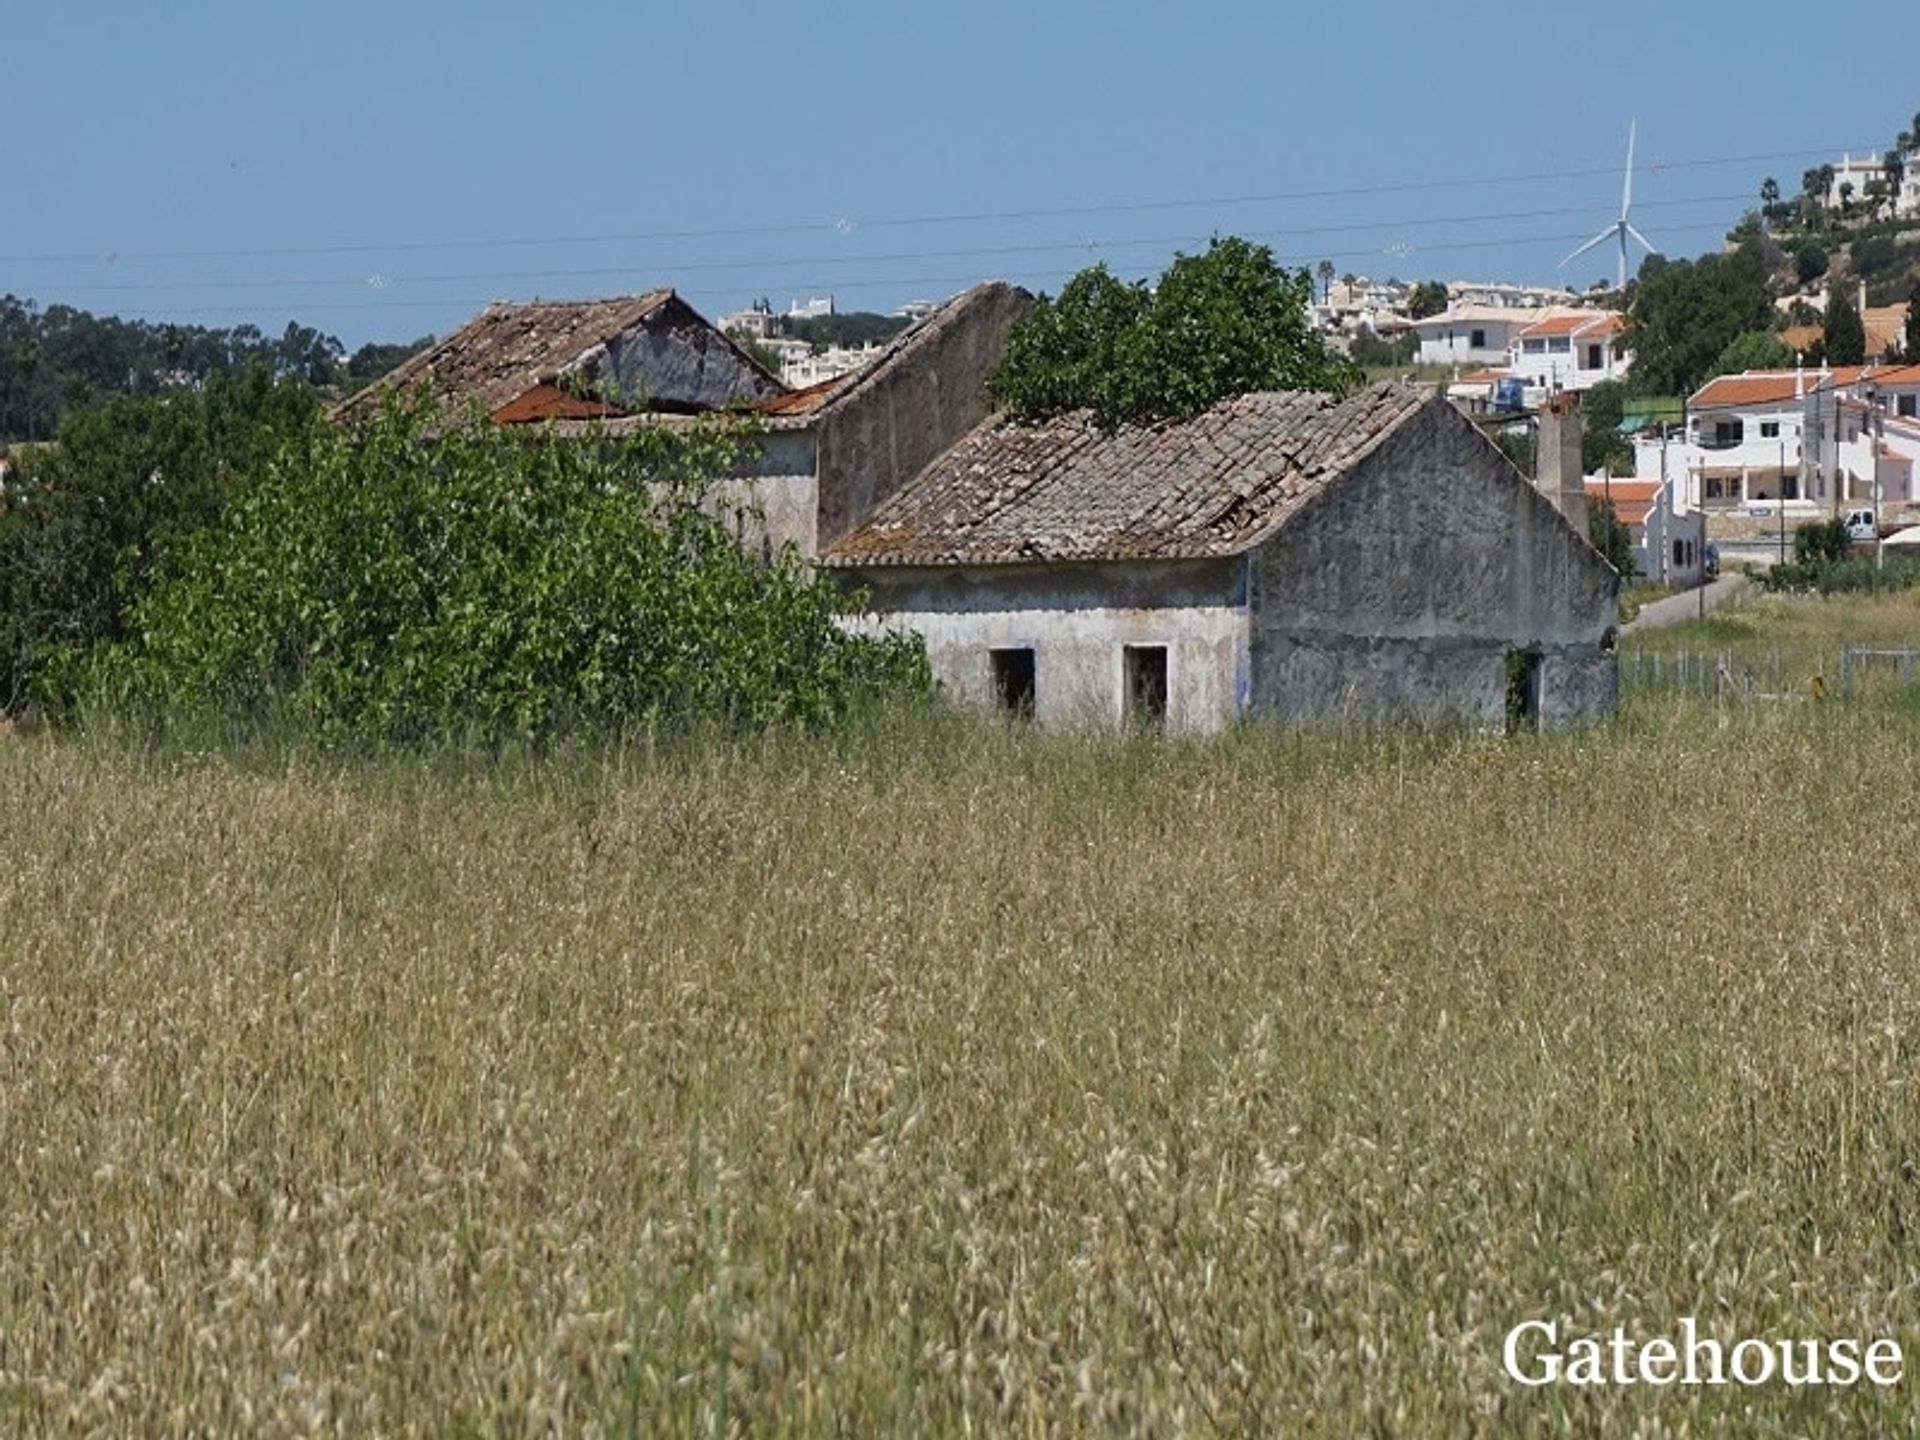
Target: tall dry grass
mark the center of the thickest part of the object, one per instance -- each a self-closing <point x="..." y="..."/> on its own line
<point x="956" y="1080"/>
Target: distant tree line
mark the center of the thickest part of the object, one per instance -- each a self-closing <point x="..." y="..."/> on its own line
<point x="60" y="359"/>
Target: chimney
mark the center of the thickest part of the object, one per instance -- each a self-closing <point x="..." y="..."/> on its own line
<point x="1559" y="476"/>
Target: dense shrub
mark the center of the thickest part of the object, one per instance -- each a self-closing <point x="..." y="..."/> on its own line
<point x="390" y="582"/>
<point x="1224" y="323"/>
<point x="89" y="523"/>
<point x="1851" y="576"/>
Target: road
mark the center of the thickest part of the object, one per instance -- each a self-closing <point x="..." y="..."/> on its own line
<point x="1676" y="609"/>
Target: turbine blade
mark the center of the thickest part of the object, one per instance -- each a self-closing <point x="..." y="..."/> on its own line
<point x="1600" y="239"/>
<point x="1652" y="249"/>
<point x="1626" y="191"/>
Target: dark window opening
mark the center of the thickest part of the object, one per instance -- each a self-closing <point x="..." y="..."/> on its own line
<point x="1013" y="681"/>
<point x="1478" y="340"/>
<point x="1593" y="357"/>
<point x="1146" y="679"/>
<point x="1523" y="690"/>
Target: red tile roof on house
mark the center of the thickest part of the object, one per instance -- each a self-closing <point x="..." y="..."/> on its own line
<point x="1632" y="499"/>
<point x="518" y="352"/>
<point x="1591" y="324"/>
<point x="1066" y="490"/>
<point x="1773" y="387"/>
<point x="509" y="349"/>
<point x="550" y="402"/>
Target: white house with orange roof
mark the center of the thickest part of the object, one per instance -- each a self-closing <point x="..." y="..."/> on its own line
<point x="1472" y="335"/>
<point x="1805" y="439"/>
<point x="1569" y="350"/>
<point x="1669" y="541"/>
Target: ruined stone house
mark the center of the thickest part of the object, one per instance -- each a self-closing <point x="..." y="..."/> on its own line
<point x="826" y="456"/>
<point x="1287" y="555"/>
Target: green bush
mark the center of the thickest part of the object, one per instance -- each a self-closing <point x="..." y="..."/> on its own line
<point x="1224" y="323"/>
<point x="394" y="583"/>
<point x="90" y="523"/>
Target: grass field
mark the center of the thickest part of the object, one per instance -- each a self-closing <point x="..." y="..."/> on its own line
<point x="960" y="1080"/>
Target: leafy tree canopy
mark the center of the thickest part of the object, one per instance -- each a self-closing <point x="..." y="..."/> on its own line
<point x="88" y="523"/>
<point x="1753" y="350"/>
<point x="1686" y="312"/>
<point x="1429" y="297"/>
<point x="393" y="581"/>
<point x="852" y="329"/>
<point x="1845" y="334"/>
<point x="60" y="359"/>
<point x="1226" y="322"/>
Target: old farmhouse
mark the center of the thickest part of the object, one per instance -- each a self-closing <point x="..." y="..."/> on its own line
<point x="827" y="455"/>
<point x="1294" y="556"/>
<point x="1286" y="555"/>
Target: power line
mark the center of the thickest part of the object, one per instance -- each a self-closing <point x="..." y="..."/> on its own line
<point x="1094" y="247"/>
<point x="848" y="226"/>
<point x="855" y="284"/>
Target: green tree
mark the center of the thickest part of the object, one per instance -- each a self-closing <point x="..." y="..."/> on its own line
<point x="1753" y="350"/>
<point x="1844" y="334"/>
<point x="1602" y="446"/>
<point x="1326" y="281"/>
<point x="1809" y="261"/>
<point x="1222" y="323"/>
<point x="1610" y="536"/>
<point x="1910" y="332"/>
<point x="1685" y="313"/>
<point x="374" y="359"/>
<point x="90" y="523"/>
<point x="399" y="582"/>
<point x="1428" y="298"/>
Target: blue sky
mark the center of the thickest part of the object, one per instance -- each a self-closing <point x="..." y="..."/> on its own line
<point x="381" y="171"/>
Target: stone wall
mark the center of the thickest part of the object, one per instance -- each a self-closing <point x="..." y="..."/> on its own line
<point x="1078" y="621"/>
<point x="893" y="422"/>
<point x="1403" y="589"/>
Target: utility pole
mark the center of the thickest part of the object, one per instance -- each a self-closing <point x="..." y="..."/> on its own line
<point x="1781" y="500"/>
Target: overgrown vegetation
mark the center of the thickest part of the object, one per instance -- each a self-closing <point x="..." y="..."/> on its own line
<point x="87" y="526"/>
<point x="399" y="583"/>
<point x="61" y="360"/>
<point x="1824" y="562"/>
<point x="1226" y="322"/>
<point x="1610" y="537"/>
<point x="957" y="1079"/>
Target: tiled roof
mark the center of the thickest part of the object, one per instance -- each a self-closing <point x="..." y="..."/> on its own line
<point x="1632" y="499"/>
<point x="1575" y="322"/>
<point x="1066" y="490"/>
<point x="1774" y="387"/>
<point x="1885" y="325"/>
<point x="1481" y="315"/>
<point x="508" y="349"/>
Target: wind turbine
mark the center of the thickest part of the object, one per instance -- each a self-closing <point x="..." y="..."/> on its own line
<point x="1622" y="227"/>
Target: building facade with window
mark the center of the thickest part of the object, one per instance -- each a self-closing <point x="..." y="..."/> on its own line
<point x="1570" y="350"/>
<point x="1808" y="439"/>
<point x="1286" y="555"/>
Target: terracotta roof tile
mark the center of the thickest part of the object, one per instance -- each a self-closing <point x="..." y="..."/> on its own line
<point x="1770" y="387"/>
<point x="508" y="349"/>
<point x="1065" y="490"/>
<point x="1576" y="322"/>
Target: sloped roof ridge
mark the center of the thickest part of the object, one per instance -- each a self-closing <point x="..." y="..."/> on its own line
<point x="944" y="317"/>
<point x="1065" y="489"/>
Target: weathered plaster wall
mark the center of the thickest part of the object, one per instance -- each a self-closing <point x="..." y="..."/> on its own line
<point x="1077" y="619"/>
<point x="777" y="481"/>
<point x="676" y="361"/>
<point x="894" y="422"/>
<point x="1402" y="589"/>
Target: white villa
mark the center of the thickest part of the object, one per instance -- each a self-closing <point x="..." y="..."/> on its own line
<point x="1798" y="438"/>
<point x="1854" y="173"/>
<point x="1569" y="350"/>
<point x="1472" y="334"/>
